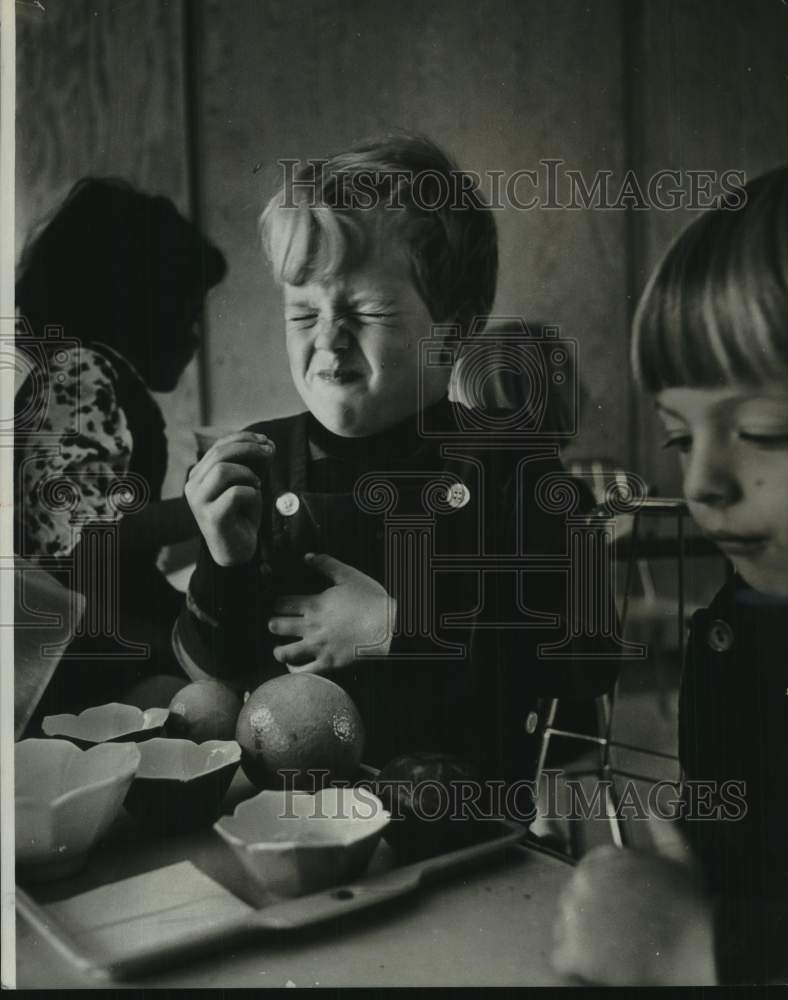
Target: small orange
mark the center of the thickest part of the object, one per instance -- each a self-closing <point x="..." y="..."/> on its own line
<point x="303" y="724"/>
<point x="204" y="710"/>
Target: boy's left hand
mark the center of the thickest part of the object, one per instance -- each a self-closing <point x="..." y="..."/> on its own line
<point x="331" y="626"/>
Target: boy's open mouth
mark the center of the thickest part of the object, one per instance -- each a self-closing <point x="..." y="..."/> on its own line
<point x="339" y="376"/>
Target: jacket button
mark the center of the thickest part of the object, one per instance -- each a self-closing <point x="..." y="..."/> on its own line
<point x="458" y="495"/>
<point x="720" y="636"/>
<point x="287" y="504"/>
<point x="531" y="722"/>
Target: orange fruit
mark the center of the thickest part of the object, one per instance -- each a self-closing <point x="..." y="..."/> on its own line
<point x="204" y="710"/>
<point x="301" y="723"/>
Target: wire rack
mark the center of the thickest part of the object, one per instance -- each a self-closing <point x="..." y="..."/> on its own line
<point x="604" y="770"/>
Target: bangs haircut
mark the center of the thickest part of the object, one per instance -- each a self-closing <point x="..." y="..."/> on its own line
<point x="325" y="221"/>
<point x="310" y="242"/>
<point x="715" y="310"/>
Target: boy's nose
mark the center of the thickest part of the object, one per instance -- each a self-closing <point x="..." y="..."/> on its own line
<point x="709" y="478"/>
<point x="332" y="334"/>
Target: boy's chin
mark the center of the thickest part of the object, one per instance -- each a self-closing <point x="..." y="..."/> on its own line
<point x="356" y="421"/>
<point x="771" y="582"/>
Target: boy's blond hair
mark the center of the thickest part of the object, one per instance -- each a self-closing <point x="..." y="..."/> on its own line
<point x="326" y="215"/>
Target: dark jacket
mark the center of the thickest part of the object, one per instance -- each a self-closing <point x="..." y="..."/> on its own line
<point x="733" y="719"/>
<point x="468" y="686"/>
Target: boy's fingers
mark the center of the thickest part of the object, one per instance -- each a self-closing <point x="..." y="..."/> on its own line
<point x="333" y="568"/>
<point x="255" y="453"/>
<point x="221" y="477"/>
<point x="223" y="504"/>
<point x="242" y="436"/>
<point x="315" y="667"/>
<point x="294" y="652"/>
<point x="236" y="438"/>
<point x="668" y="840"/>
<point x="292" y="625"/>
<point x="206" y="437"/>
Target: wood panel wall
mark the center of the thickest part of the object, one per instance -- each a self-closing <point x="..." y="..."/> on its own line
<point x="499" y="84"/>
<point x="100" y="91"/>
<point x="712" y="94"/>
<point x="503" y="84"/>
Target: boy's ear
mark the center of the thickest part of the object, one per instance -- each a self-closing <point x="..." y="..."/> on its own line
<point x="450" y="342"/>
<point x="448" y="353"/>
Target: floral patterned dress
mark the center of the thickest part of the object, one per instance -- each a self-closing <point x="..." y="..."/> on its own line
<point x="90" y="449"/>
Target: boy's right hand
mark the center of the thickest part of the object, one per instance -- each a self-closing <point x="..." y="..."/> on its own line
<point x="224" y="493"/>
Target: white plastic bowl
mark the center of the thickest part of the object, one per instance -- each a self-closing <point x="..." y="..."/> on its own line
<point x="294" y="843"/>
<point x="66" y="798"/>
<point x="107" y="723"/>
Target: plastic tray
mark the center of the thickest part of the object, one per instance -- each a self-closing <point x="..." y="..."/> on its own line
<point x="157" y="917"/>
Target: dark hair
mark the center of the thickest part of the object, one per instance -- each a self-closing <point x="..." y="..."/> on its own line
<point x="320" y="222"/>
<point x="715" y="310"/>
<point x="115" y="265"/>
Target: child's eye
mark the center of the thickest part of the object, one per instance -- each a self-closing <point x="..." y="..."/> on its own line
<point x="681" y="442"/>
<point x="777" y="439"/>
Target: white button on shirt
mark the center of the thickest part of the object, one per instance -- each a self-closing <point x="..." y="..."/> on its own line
<point x="458" y="495"/>
<point x="287" y="504"/>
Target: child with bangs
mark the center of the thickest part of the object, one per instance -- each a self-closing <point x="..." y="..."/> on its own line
<point x="300" y="569"/>
<point x="711" y="345"/>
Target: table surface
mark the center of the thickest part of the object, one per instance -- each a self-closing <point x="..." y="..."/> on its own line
<point x="488" y="926"/>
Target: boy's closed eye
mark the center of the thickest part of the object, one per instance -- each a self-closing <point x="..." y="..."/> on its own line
<point x="765" y="437"/>
<point x="372" y="308"/>
<point x="679" y="440"/>
<point x="308" y="319"/>
<point x="300" y="315"/>
<point x="376" y="318"/>
<point x="677" y="433"/>
<point x="776" y="438"/>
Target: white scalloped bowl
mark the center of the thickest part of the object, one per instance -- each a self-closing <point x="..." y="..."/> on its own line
<point x="294" y="843"/>
<point x="180" y="785"/>
<point x="111" y="723"/>
<point x="66" y="798"/>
